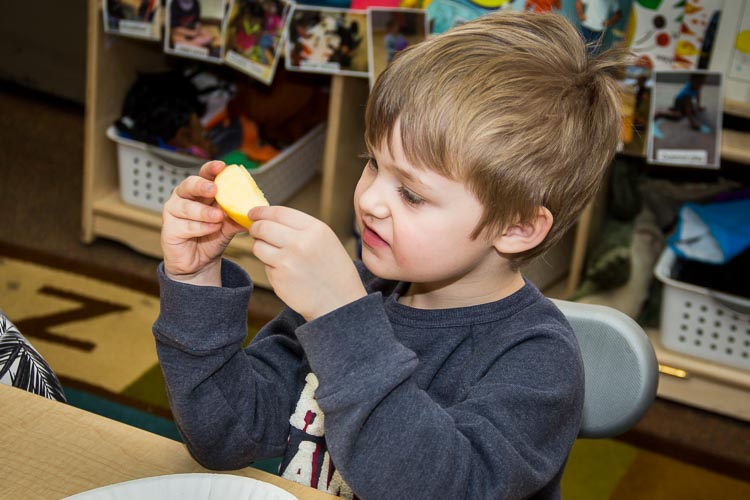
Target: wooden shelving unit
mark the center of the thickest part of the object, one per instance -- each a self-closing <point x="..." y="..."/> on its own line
<point x="112" y="66"/>
<point x="737" y="108"/>
<point x="735" y="145"/>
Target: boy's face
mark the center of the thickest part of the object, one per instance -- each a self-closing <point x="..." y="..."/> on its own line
<point x="416" y="224"/>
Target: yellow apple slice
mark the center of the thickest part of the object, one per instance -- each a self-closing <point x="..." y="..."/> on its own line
<point x="237" y="193"/>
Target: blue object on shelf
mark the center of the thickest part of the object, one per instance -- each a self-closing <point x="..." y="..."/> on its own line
<point x="713" y="233"/>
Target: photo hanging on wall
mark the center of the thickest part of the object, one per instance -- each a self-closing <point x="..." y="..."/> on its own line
<point x="390" y="32"/>
<point x="685" y="120"/>
<point x="254" y="31"/>
<point x="133" y="18"/>
<point x="327" y="40"/>
<point x="193" y="28"/>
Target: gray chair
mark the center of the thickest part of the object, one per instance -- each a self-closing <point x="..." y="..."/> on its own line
<point x="620" y="368"/>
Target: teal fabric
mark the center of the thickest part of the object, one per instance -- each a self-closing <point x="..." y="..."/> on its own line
<point x="122" y="413"/>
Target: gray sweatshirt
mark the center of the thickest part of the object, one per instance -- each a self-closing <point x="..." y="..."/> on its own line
<point x="376" y="399"/>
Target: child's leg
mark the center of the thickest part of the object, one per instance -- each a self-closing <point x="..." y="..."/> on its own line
<point x="669" y="114"/>
<point x="690" y="111"/>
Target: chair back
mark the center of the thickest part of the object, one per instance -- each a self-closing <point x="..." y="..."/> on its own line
<point x="620" y="367"/>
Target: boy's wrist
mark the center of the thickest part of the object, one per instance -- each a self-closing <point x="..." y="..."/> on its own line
<point x="210" y="275"/>
<point x="326" y="304"/>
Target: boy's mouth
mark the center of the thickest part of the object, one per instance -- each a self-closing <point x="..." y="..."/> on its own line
<point x="372" y="239"/>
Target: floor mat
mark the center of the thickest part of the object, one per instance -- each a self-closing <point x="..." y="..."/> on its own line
<point x="88" y="330"/>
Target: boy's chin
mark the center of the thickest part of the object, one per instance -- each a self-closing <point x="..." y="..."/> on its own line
<point x="377" y="267"/>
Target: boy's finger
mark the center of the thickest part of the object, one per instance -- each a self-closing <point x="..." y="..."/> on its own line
<point x="191" y="210"/>
<point x="188" y="229"/>
<point x="200" y="212"/>
<point x="195" y="188"/>
<point x="265" y="252"/>
<point x="211" y="169"/>
<point x="280" y="214"/>
<point x="271" y="232"/>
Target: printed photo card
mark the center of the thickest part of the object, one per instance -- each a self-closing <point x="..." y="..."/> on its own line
<point x="133" y="18"/>
<point x="193" y="28"/>
<point x="327" y="40"/>
<point x="686" y="110"/>
<point x="391" y="31"/>
<point x="254" y="32"/>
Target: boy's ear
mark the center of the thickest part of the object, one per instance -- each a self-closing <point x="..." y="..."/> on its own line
<point x="520" y="237"/>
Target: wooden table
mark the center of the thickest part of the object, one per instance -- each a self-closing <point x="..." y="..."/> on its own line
<point x="52" y="450"/>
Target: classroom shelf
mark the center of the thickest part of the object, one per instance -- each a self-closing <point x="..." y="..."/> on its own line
<point x="701" y="383"/>
<point x="112" y="65"/>
<point x="737" y="108"/>
<point x="735" y="146"/>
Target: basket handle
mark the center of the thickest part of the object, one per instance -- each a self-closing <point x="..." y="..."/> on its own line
<point x="730" y="302"/>
<point x="174" y="159"/>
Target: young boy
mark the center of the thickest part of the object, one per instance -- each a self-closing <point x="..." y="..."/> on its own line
<point x="432" y="369"/>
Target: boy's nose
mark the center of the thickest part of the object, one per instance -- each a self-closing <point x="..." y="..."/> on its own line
<point x="372" y="202"/>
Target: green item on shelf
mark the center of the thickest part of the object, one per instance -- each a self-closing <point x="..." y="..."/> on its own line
<point x="609" y="265"/>
<point x="237" y="157"/>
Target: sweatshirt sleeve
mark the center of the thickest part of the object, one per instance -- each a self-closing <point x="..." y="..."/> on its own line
<point x="231" y="405"/>
<point x="508" y="438"/>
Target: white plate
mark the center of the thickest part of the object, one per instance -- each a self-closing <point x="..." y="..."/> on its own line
<point x="188" y="487"/>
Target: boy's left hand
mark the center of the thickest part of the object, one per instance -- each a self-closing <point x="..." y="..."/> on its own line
<point x="306" y="264"/>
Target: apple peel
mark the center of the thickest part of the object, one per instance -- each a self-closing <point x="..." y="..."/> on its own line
<point x="237" y="193"/>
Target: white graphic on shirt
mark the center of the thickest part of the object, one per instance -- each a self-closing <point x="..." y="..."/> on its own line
<point x="307" y="460"/>
<point x="307" y="406"/>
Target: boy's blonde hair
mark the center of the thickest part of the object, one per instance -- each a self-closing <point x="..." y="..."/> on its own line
<point x="511" y="104"/>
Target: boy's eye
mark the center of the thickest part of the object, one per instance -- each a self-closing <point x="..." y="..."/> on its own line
<point x="409" y="197"/>
<point x="371" y="163"/>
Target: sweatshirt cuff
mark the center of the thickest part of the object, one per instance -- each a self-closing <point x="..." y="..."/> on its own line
<point x="203" y="318"/>
<point x="352" y="348"/>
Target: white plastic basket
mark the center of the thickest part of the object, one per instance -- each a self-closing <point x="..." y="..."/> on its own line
<point x="702" y="322"/>
<point x="148" y="174"/>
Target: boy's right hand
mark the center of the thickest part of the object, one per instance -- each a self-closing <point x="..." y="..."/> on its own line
<point x="195" y="231"/>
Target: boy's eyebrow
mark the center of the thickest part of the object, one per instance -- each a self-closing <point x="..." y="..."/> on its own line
<point x="403" y="172"/>
<point x="406" y="174"/>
